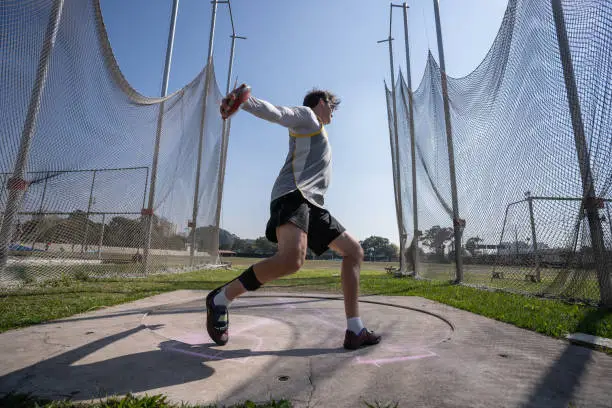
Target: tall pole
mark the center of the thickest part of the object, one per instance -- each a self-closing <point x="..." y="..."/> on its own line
<point x="149" y="211"/>
<point x="516" y="240"/>
<point x="224" y="141"/>
<point x="602" y="261"/>
<point x="101" y="241"/>
<point x="536" y="256"/>
<point x="17" y="184"/>
<point x="415" y="214"/>
<point x="44" y="193"/>
<point x="395" y="159"/>
<point x="500" y="275"/>
<point x="84" y="245"/>
<point x="224" y="145"/>
<point x="458" y="224"/>
<point x="201" y="143"/>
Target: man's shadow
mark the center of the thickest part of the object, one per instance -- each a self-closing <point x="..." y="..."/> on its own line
<point x="62" y="377"/>
<point x="206" y="352"/>
<point x="173" y="363"/>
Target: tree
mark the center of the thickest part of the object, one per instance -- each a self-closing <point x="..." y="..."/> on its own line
<point x="436" y="237"/>
<point x="471" y="245"/>
<point x="205" y="235"/>
<point x="375" y="247"/>
<point x="163" y="235"/>
<point x="71" y="230"/>
<point x="375" y="243"/>
<point x="124" y="232"/>
<point x="226" y="239"/>
<point x="391" y="251"/>
<point x="243" y="245"/>
<point x="264" y="247"/>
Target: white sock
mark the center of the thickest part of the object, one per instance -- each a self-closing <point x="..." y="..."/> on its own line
<point x="354" y="324"/>
<point x="220" y="299"/>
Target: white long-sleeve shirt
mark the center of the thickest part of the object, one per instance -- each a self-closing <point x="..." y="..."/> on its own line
<point x="307" y="167"/>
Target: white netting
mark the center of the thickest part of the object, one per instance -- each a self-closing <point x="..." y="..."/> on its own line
<point x="518" y="170"/>
<point x="89" y="164"/>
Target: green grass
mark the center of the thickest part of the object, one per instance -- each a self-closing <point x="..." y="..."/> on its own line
<point x="551" y="317"/>
<point x="146" y="401"/>
<point x="129" y="401"/>
<point x="67" y="296"/>
<point x="377" y="404"/>
<point x="586" y="288"/>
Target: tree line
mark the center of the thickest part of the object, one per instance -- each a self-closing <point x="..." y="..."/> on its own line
<point x="121" y="231"/>
<point x="80" y="229"/>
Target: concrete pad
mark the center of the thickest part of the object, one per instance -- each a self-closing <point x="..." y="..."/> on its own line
<point x="288" y="345"/>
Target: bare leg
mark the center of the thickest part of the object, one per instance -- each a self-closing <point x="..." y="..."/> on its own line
<point x="352" y="256"/>
<point x="292" y="244"/>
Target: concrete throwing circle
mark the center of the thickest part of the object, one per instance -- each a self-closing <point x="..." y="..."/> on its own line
<point x="296" y="326"/>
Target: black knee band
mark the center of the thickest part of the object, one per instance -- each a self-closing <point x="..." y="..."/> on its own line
<point x="249" y="280"/>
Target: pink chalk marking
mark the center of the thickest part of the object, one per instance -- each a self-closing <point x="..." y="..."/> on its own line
<point x="219" y="355"/>
<point x="194" y="338"/>
<point x="327" y="322"/>
<point x="379" y="361"/>
<point x="401" y="349"/>
<point x="199" y="338"/>
<point x="208" y="356"/>
<point x="256" y="325"/>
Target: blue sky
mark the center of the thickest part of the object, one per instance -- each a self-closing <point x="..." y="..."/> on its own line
<point x="292" y="47"/>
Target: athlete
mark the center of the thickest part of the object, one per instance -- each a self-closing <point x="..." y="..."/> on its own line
<point x="298" y="219"/>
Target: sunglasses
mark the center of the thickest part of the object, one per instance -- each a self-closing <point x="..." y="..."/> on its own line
<point x="331" y="105"/>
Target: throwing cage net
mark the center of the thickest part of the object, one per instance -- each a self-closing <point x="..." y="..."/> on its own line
<point x="76" y="156"/>
<point x="532" y="152"/>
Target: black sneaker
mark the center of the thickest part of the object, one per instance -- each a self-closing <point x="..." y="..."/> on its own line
<point x="365" y="337"/>
<point x="217" y="319"/>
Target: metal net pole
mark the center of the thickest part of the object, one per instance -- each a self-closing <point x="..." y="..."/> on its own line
<point x="196" y="193"/>
<point x="224" y="142"/>
<point x="149" y="211"/>
<point x="17" y="185"/>
<point x="415" y="213"/>
<point x="589" y="199"/>
<point x="457" y="222"/>
<point x="394" y="152"/>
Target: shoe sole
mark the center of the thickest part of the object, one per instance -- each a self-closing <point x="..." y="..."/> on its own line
<point x="212" y="333"/>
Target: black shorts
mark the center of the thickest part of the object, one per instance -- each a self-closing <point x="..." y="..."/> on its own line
<point x="317" y="222"/>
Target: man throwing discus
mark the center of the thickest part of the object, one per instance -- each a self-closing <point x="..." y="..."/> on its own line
<point x="298" y="218"/>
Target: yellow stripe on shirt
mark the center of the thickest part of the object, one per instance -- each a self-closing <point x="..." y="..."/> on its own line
<point x="320" y="131"/>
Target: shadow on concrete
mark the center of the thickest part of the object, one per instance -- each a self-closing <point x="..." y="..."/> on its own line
<point x="199" y="308"/>
<point x="205" y="351"/>
<point x="63" y="376"/>
<point x="558" y="386"/>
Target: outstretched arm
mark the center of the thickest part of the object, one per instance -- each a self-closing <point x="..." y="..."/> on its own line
<point x="300" y="117"/>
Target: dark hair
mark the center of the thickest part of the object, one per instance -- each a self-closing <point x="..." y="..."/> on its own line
<point x="313" y="97"/>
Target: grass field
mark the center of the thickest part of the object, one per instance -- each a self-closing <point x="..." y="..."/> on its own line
<point x="585" y="289"/>
<point x="32" y="269"/>
<point x="72" y="294"/>
<point x="580" y="284"/>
